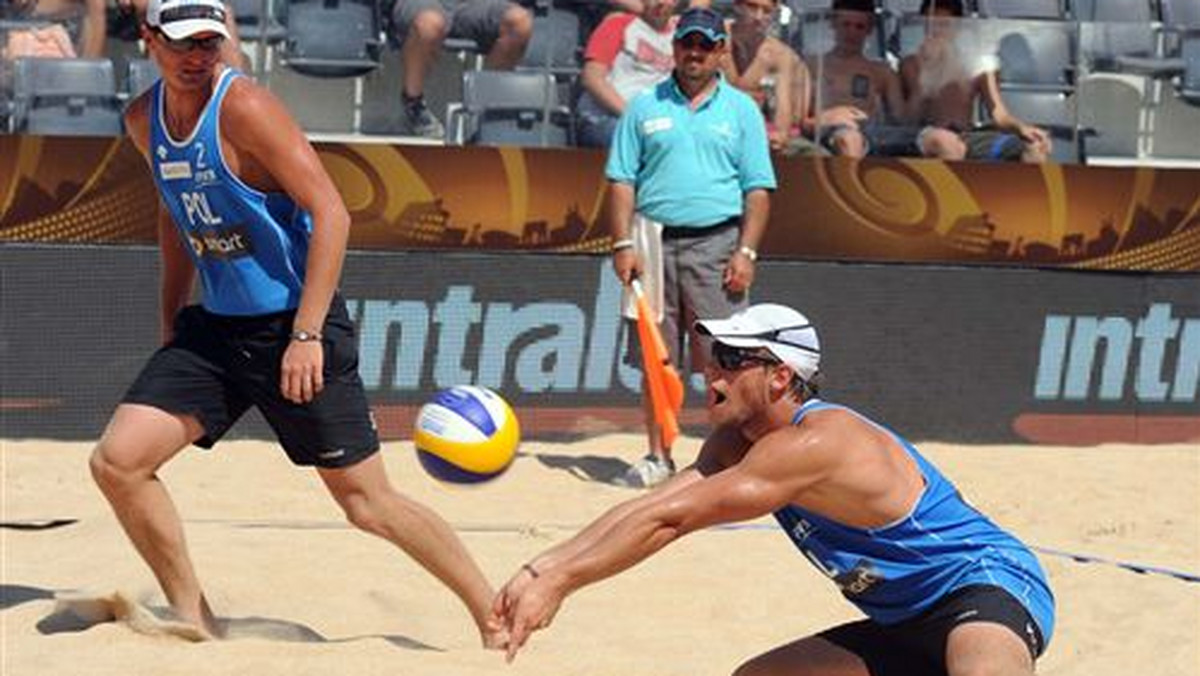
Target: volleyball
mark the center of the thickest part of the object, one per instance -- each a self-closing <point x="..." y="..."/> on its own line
<point x="466" y="434"/>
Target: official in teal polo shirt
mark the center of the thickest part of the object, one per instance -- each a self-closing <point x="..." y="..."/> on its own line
<point x="691" y="154"/>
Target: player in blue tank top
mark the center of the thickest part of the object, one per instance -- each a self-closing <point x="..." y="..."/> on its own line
<point x="944" y="590"/>
<point x="250" y="209"/>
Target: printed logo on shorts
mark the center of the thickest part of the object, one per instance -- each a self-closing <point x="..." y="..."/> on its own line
<point x="332" y="455"/>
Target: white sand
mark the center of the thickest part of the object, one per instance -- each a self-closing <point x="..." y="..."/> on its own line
<point x="305" y="594"/>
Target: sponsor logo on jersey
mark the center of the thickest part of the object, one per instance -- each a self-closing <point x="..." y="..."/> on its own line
<point x="170" y="171"/>
<point x="223" y="244"/>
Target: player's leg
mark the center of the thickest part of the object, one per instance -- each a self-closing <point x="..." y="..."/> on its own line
<point x="986" y="648"/>
<point x="137" y="442"/>
<point x="811" y="656"/>
<point x="373" y="505"/>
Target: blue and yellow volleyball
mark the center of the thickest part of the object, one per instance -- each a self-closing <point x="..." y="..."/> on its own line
<point x="466" y="435"/>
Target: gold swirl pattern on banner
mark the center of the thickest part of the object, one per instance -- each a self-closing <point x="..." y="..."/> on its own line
<point x="898" y="198"/>
<point x="1056" y="200"/>
<point x="516" y="177"/>
<point x="376" y="181"/>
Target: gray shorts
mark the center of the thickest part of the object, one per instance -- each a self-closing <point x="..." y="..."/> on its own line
<point x="693" y="268"/>
<point x="477" y="20"/>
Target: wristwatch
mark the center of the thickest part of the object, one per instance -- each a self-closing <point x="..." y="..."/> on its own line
<point x="302" y="336"/>
<point x="748" y="253"/>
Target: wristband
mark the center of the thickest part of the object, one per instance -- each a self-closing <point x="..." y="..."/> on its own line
<point x="748" y="253"/>
<point x="302" y="336"/>
<point x="622" y="244"/>
<point x="528" y="568"/>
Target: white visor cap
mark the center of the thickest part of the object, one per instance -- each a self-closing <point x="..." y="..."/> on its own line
<point x="785" y="332"/>
<point x="180" y="19"/>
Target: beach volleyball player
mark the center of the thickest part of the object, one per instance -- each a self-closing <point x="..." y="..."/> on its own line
<point x="249" y="207"/>
<point x="943" y="588"/>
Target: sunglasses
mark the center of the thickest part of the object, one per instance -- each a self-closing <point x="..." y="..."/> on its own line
<point x="730" y="358"/>
<point x="184" y="45"/>
<point x="698" y="42"/>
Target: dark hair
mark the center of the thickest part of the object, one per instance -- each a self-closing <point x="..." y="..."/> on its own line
<point x="953" y="7"/>
<point x="867" y="6"/>
<point x="806" y="389"/>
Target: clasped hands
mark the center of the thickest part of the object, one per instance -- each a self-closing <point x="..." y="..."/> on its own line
<point x="526" y="603"/>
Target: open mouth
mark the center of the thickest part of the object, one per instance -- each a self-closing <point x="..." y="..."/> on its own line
<point x="718" y="397"/>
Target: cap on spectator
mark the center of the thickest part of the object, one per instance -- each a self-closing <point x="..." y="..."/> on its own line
<point x="179" y="19"/>
<point x="701" y="20"/>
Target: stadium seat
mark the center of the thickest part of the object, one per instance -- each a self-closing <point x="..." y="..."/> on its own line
<point x="1037" y="55"/>
<point x="1055" y="112"/>
<point x="1180" y="15"/>
<point x="1111" y="104"/>
<point x="255" y="24"/>
<point x="1189" y="85"/>
<point x="1113" y="29"/>
<point x="333" y="38"/>
<point x="65" y="97"/>
<point x="509" y="108"/>
<point x="140" y="74"/>
<point x="1023" y="9"/>
<point x="556" y="44"/>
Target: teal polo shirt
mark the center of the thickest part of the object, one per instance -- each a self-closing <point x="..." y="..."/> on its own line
<point x="691" y="167"/>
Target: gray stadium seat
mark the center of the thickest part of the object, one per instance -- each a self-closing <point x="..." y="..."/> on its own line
<point x="1189" y="85"/>
<point x="1037" y="54"/>
<point x="333" y="38"/>
<point x="254" y="24"/>
<point x="1112" y="29"/>
<point x="556" y="45"/>
<point x="140" y="74"/>
<point x="1180" y="15"/>
<point x="509" y="108"/>
<point x="1023" y="9"/>
<point x="65" y="97"/>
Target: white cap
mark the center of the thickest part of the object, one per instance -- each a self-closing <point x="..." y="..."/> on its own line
<point x="786" y="333"/>
<point x="183" y="18"/>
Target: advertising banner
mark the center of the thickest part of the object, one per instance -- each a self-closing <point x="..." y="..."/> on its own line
<point x="961" y="354"/>
<point x="98" y="191"/>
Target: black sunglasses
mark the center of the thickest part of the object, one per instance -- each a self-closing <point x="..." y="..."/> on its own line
<point x="184" y="45"/>
<point x="730" y="358"/>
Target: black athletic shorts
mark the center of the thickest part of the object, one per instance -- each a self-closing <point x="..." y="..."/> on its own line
<point x="917" y="646"/>
<point x="217" y="367"/>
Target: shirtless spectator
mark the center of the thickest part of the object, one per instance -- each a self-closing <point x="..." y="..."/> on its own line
<point x="58" y="28"/>
<point x="859" y="106"/>
<point x="626" y="54"/>
<point x="769" y="71"/>
<point x="942" y="82"/>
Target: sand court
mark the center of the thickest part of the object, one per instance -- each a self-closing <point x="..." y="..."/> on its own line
<point x="300" y="592"/>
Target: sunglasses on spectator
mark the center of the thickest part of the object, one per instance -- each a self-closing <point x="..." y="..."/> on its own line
<point x="697" y="41"/>
<point x="184" y="45"/>
<point x="730" y="358"/>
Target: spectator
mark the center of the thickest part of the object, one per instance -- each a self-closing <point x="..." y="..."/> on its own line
<point x="943" y="83"/>
<point x="859" y="99"/>
<point x="60" y="29"/>
<point x="691" y="155"/>
<point x="768" y="70"/>
<point x="626" y="54"/>
<point x="501" y="29"/>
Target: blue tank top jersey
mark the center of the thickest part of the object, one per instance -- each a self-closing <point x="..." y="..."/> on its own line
<point x="249" y="247"/>
<point x="894" y="572"/>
